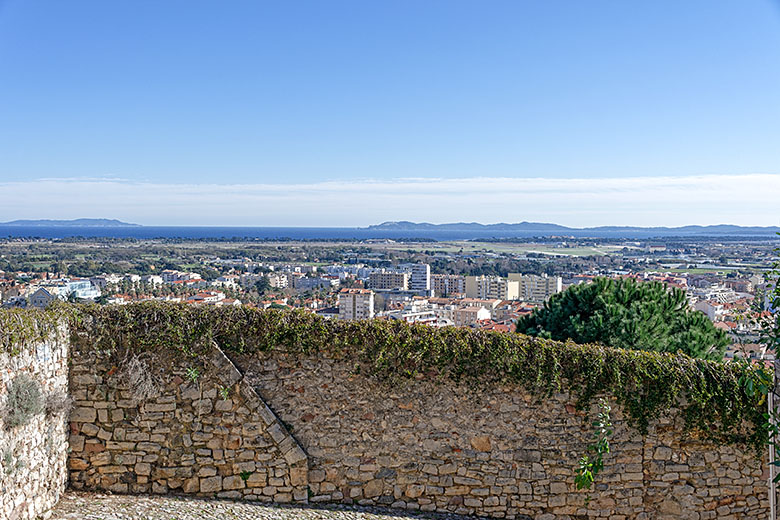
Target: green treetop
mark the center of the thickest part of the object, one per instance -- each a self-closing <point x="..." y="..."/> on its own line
<point x="627" y="314"/>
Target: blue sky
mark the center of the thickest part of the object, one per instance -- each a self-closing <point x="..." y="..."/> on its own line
<point x="351" y="113"/>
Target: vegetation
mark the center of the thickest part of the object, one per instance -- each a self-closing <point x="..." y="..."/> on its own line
<point x="627" y="314"/>
<point x="713" y="397"/>
<point x="24" y="401"/>
<point x="715" y="404"/>
<point x="22" y="327"/>
<point x="588" y="468"/>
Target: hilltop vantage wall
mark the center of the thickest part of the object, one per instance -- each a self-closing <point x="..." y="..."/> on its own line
<point x="500" y="452"/>
<point x="204" y="433"/>
<point x="341" y="436"/>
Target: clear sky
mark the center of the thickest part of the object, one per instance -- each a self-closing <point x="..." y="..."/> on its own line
<point x="355" y="112"/>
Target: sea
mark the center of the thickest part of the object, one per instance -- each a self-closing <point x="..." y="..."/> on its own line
<point x="310" y="233"/>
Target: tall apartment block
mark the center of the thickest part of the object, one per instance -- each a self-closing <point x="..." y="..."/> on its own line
<point x="356" y="304"/>
<point x="419" y="276"/>
<point x="389" y="280"/>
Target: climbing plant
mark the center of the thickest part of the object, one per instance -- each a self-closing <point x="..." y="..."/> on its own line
<point x="645" y="384"/>
<point x="591" y="465"/>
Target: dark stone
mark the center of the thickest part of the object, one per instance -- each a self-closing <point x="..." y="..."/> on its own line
<point x="386" y="473"/>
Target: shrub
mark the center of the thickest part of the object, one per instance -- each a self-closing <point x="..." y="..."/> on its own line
<point x="24" y="401"/>
<point x="58" y="403"/>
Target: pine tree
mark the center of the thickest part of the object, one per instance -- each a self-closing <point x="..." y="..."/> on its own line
<point x="627" y="314"/>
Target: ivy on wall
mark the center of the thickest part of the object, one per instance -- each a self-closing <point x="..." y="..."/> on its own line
<point x="714" y="403"/>
<point x="20" y="328"/>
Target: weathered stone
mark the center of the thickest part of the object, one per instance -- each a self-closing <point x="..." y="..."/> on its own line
<point x="481" y="443"/>
<point x="373" y="488"/>
<point x="84" y="414"/>
<point x="233" y="482"/>
<point x="211" y="484"/>
<point x="143" y="468"/>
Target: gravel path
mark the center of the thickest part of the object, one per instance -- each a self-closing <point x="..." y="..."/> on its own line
<point x="84" y="506"/>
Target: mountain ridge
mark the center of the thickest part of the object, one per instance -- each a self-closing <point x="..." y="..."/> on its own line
<point x="405" y="225"/>
<point x="79" y="222"/>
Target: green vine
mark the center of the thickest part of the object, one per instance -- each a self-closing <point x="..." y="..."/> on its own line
<point x="646" y="384"/>
<point x="588" y="467"/>
<point x="21" y="328"/>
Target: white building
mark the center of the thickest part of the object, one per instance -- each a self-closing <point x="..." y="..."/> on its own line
<point x="716" y="293"/>
<point x="102" y="280"/>
<point x="356" y="304"/>
<point x="305" y="283"/>
<point x="279" y="280"/>
<point x="715" y="311"/>
<point x="152" y="279"/>
<point x="492" y="288"/>
<point x="389" y="280"/>
<point x="470" y="315"/>
<point x="534" y="288"/>
<point x="171" y="275"/>
<point x="419" y="276"/>
<point x="448" y="284"/>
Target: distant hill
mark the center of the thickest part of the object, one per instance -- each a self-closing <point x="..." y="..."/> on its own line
<point x="405" y="225"/>
<point x="545" y="228"/>
<point x="79" y="222"/>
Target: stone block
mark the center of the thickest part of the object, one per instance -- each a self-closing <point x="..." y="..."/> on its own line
<point x="142" y="468"/>
<point x="211" y="484"/>
<point x="233" y="482"/>
<point x="299" y="476"/>
<point x="373" y="488"/>
<point x="481" y="443"/>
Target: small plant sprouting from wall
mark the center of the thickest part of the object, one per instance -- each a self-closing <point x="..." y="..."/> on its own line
<point x="24" y="401"/>
<point x="192" y="374"/>
<point x="589" y="467"/>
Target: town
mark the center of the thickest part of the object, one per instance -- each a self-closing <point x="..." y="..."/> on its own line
<point x="478" y="284"/>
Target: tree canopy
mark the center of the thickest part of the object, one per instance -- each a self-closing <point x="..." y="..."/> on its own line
<point x="628" y="314"/>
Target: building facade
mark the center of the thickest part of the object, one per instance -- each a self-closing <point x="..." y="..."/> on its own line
<point x="389" y="280"/>
<point x="491" y="288"/>
<point x="356" y="304"/>
<point x="444" y="285"/>
<point x="535" y="288"/>
<point x="419" y="276"/>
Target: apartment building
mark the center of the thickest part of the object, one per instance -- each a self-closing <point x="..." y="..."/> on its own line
<point x="535" y="288"/>
<point x="305" y="283"/>
<point x="419" y="276"/>
<point x="356" y="304"/>
<point x="389" y="280"/>
<point x="448" y="284"/>
<point x="278" y="280"/>
<point x="470" y="315"/>
<point x="491" y="288"/>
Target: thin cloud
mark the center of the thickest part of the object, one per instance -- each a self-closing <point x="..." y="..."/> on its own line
<point x="749" y="199"/>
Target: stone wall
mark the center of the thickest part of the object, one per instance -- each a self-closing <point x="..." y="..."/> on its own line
<point x="33" y="456"/>
<point x="493" y="451"/>
<point x="315" y="429"/>
<point x="204" y="433"/>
